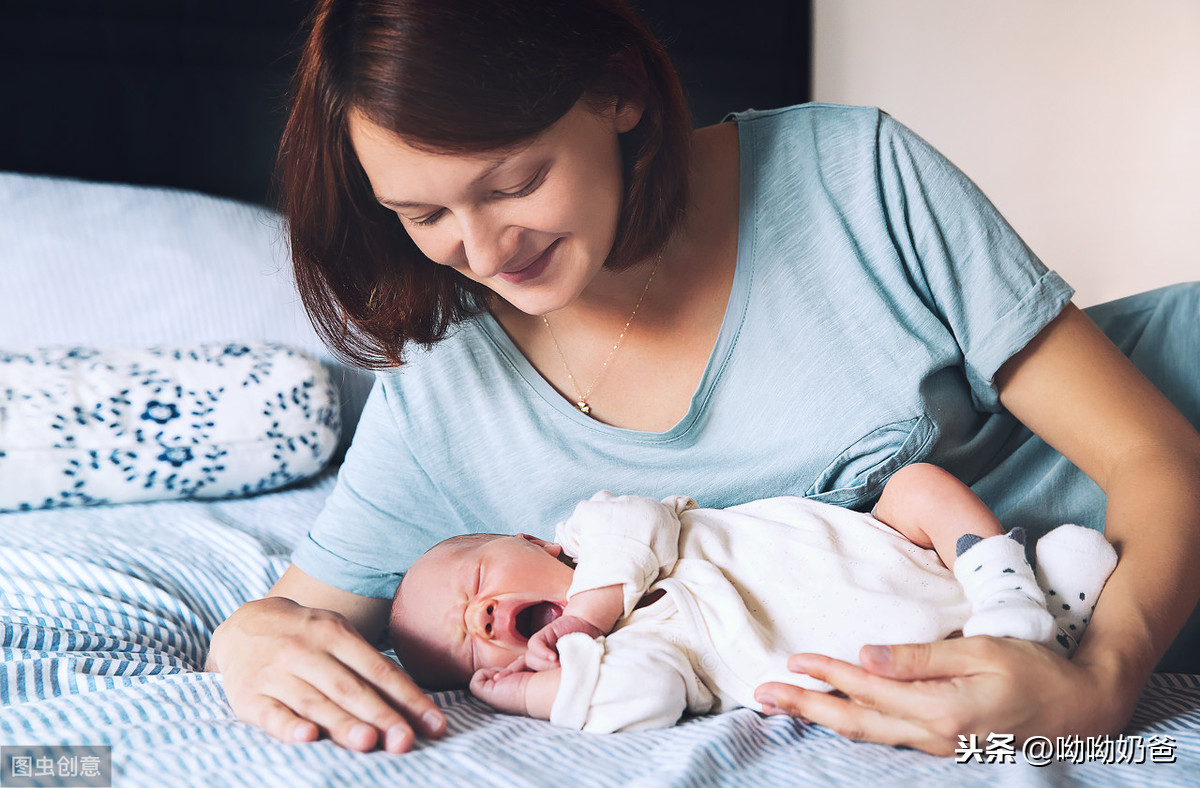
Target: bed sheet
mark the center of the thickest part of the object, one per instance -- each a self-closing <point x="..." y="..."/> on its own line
<point x="106" y="612"/>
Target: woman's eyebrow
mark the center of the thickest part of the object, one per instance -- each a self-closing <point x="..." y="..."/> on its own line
<point x="399" y="203"/>
<point x="496" y="164"/>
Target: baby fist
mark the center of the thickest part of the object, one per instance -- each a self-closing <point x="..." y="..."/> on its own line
<point x="543" y="646"/>
<point x="501" y="688"/>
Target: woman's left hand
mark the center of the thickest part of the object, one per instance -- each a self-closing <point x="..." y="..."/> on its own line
<point x="927" y="695"/>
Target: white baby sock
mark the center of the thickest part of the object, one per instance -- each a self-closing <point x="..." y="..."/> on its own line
<point x="999" y="583"/>
<point x="1073" y="563"/>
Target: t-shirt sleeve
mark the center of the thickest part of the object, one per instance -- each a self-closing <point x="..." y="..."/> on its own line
<point x="963" y="258"/>
<point x="382" y="513"/>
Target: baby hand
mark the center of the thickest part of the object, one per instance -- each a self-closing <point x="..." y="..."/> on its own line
<point x="502" y="688"/>
<point x="543" y="646"/>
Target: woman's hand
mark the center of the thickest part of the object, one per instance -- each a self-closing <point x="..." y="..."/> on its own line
<point x="299" y="672"/>
<point x="927" y="695"/>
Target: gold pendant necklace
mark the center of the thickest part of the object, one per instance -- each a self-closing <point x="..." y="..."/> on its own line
<point x="581" y="402"/>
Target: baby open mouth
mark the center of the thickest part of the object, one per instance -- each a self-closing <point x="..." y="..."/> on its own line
<point x="532" y="618"/>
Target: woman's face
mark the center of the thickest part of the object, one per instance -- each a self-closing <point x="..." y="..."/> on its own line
<point x="534" y="223"/>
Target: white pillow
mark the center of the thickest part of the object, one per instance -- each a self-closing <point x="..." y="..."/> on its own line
<point x="86" y="426"/>
<point x="110" y="265"/>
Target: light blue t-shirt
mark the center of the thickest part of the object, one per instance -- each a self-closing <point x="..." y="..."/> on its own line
<point x="877" y="293"/>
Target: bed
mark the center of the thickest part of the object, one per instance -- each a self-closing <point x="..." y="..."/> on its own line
<point x="106" y="609"/>
<point x="114" y="570"/>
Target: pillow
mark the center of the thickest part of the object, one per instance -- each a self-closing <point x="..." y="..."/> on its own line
<point x="87" y="426"/>
<point x="112" y="266"/>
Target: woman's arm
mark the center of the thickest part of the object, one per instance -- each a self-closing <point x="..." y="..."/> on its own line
<point x="1080" y="394"/>
<point x="1083" y="397"/>
<point x="300" y="663"/>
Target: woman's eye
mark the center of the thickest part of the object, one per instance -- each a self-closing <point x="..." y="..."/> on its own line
<point x="527" y="189"/>
<point x="428" y="220"/>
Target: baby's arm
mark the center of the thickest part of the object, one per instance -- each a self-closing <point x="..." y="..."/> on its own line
<point x="933" y="509"/>
<point x="593" y="612"/>
<point x="620" y="544"/>
<point x="636" y="679"/>
<point x="515" y="690"/>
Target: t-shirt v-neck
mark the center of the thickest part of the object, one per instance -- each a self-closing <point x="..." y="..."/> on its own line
<point x="723" y="348"/>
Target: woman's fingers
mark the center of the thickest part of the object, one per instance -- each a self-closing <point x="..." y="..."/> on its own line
<point x="875" y="708"/>
<point x="844" y="716"/>
<point x="400" y="691"/>
<point x="307" y="713"/>
<point x="913" y="661"/>
<point x="336" y="702"/>
<point x="371" y="689"/>
<point x="282" y="723"/>
<point x="927" y="695"/>
<point x="303" y="671"/>
<point x="913" y="699"/>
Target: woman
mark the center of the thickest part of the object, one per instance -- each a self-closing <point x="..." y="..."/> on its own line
<point x="584" y="294"/>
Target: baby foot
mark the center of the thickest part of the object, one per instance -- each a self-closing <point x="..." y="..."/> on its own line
<point x="1004" y="595"/>
<point x="1073" y="564"/>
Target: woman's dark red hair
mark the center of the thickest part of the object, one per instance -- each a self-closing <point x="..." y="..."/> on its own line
<point x="456" y="76"/>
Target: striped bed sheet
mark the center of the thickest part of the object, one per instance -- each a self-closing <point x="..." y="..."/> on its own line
<point x="106" y="613"/>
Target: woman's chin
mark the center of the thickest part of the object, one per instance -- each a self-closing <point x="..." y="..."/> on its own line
<point x="533" y="304"/>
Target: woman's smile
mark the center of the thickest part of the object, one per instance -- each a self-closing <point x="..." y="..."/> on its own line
<point x="532" y="269"/>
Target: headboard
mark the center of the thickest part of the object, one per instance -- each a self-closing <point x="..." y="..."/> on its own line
<point x="190" y="93"/>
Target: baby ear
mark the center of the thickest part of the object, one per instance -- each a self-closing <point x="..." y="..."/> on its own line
<point x="555" y="550"/>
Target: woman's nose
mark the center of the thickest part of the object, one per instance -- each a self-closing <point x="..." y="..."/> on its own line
<point x="481" y="617"/>
<point x="488" y="247"/>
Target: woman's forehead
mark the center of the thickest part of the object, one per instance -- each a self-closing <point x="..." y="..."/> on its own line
<point x="379" y="144"/>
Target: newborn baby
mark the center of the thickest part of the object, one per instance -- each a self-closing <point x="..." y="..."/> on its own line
<point x="666" y="608"/>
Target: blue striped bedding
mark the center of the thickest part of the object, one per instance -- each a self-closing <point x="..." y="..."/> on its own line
<point x="106" y="612"/>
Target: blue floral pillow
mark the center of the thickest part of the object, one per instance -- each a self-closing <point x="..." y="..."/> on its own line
<point x="83" y="426"/>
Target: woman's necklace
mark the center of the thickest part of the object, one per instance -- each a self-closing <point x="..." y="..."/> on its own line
<point x="582" y="396"/>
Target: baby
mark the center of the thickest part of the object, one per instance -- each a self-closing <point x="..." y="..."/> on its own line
<point x="668" y="608"/>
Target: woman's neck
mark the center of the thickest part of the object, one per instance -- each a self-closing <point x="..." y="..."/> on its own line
<point x="670" y="339"/>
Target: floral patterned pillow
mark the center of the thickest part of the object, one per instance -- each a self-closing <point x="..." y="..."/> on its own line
<point x="83" y="426"/>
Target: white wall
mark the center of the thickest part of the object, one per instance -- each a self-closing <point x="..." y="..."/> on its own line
<point x="1080" y="119"/>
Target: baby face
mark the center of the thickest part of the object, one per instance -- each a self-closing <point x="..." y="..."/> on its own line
<point x="473" y="602"/>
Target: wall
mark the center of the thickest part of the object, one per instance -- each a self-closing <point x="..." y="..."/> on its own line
<point x="1079" y="118"/>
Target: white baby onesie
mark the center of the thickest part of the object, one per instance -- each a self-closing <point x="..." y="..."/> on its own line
<point x="746" y="587"/>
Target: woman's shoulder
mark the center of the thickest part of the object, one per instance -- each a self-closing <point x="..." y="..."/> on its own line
<point x="826" y="141"/>
<point x="469" y="346"/>
<point x="819" y="117"/>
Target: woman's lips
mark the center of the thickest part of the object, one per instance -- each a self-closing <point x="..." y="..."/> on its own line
<point x="533" y="269"/>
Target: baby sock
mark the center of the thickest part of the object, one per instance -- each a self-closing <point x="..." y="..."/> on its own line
<point x="999" y="583"/>
<point x="1073" y="563"/>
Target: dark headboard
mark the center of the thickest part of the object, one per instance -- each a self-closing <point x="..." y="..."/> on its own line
<point x="190" y="93"/>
